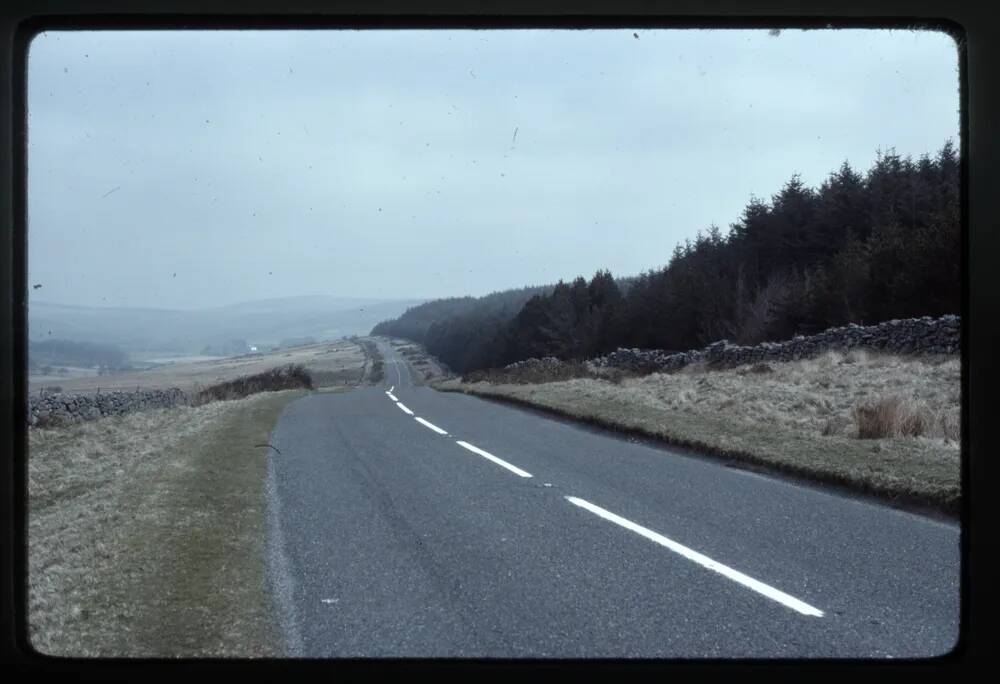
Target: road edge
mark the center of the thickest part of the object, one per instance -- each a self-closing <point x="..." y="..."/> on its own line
<point x="927" y="506"/>
<point x="277" y="571"/>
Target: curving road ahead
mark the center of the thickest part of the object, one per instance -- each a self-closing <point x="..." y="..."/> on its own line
<point x="414" y="523"/>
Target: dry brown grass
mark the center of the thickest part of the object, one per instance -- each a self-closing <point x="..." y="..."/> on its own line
<point x="800" y="417"/>
<point x="878" y="419"/>
<point x="888" y="417"/>
<point x="146" y="532"/>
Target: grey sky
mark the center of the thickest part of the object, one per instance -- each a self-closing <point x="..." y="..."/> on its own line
<point x="384" y="164"/>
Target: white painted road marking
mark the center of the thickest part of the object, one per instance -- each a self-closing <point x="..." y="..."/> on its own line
<point x="498" y="461"/>
<point x="392" y="388"/>
<point x="432" y="426"/>
<point x="392" y="396"/>
<point x="404" y="409"/>
<point x="704" y="561"/>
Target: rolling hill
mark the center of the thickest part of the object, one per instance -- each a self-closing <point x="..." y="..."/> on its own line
<point x="190" y="331"/>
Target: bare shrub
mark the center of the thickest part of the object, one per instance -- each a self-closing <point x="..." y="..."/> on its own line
<point x="755" y="312"/>
<point x="292" y="376"/>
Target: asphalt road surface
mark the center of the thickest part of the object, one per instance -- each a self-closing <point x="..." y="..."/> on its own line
<point x="406" y="522"/>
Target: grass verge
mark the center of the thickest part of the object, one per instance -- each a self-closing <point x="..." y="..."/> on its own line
<point x="795" y="420"/>
<point x="146" y="533"/>
<point x="424" y="368"/>
<point x="376" y="371"/>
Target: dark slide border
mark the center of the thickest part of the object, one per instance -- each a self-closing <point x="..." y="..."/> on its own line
<point x="970" y="23"/>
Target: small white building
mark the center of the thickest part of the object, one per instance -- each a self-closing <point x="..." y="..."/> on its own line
<point x="253" y="349"/>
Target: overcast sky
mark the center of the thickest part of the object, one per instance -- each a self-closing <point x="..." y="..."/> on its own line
<point x="385" y="164"/>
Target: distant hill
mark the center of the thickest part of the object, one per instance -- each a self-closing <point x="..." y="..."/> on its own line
<point x="68" y="353"/>
<point x="265" y="322"/>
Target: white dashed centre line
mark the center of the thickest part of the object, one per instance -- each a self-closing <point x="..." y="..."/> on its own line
<point x="498" y="461"/>
<point x="724" y="570"/>
<point x="392" y="396"/>
<point x="432" y="426"/>
<point x="404" y="409"/>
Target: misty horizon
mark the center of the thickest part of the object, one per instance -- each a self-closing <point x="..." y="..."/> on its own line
<point x="230" y="305"/>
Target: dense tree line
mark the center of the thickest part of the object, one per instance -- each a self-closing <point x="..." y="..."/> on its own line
<point x="861" y="248"/>
<point x="452" y="326"/>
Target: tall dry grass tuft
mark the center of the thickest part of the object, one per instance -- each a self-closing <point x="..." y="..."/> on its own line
<point x="892" y="417"/>
<point x="877" y="419"/>
<point x="913" y="423"/>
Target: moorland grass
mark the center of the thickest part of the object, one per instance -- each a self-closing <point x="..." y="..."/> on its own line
<point x="880" y="424"/>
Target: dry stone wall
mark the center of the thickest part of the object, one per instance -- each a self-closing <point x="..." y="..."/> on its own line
<point x="908" y="336"/>
<point x="63" y="409"/>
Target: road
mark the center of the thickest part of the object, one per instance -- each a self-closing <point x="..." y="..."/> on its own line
<point x="406" y="522"/>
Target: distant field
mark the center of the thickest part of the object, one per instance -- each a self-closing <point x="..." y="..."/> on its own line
<point x="330" y="363"/>
<point x="193" y="358"/>
<point x="44" y="380"/>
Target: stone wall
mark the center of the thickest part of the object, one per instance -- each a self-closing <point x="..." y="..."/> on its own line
<point x="544" y="363"/>
<point x="62" y="409"/>
<point x="909" y="336"/>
